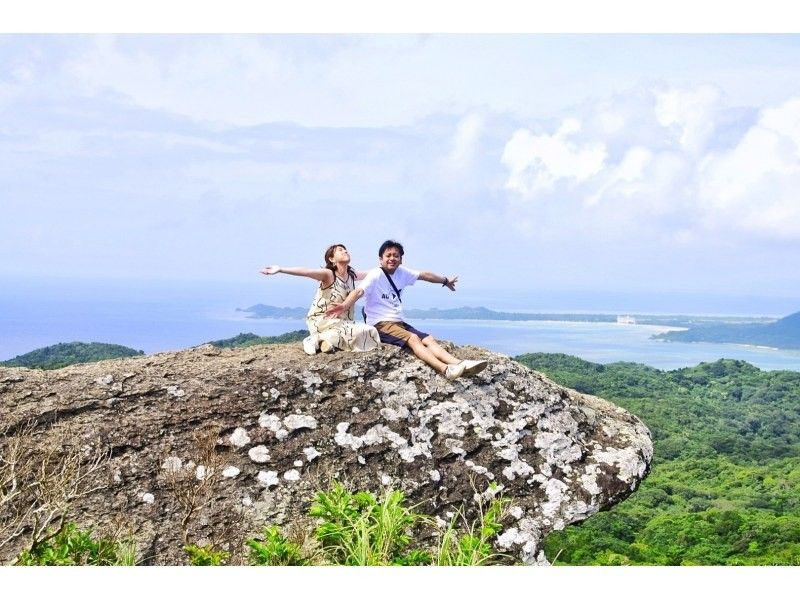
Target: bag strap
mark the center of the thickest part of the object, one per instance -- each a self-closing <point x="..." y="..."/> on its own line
<point x="391" y="282"/>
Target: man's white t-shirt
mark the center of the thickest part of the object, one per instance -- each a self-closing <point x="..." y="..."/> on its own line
<point x="382" y="303"/>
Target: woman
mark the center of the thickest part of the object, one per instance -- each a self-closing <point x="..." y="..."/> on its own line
<point x="336" y="280"/>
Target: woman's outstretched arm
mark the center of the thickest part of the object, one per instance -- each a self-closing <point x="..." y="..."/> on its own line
<point x="321" y="274"/>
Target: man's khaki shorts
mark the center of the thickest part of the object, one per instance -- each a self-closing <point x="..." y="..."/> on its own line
<point x="398" y="333"/>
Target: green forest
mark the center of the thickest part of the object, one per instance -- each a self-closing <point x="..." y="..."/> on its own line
<point x="64" y="354"/>
<point x="725" y="482"/>
<point x="248" y="339"/>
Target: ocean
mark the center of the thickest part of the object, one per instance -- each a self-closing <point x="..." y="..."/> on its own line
<point x="155" y="318"/>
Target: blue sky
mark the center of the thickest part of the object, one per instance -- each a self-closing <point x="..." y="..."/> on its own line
<point x="631" y="163"/>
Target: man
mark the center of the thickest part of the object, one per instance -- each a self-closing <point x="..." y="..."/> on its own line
<point x="383" y="288"/>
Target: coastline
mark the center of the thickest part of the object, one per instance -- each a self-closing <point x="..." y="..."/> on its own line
<point x="172" y="327"/>
<point x="742" y="345"/>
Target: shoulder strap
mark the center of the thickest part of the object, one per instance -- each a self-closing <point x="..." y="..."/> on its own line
<point x="391" y="282"/>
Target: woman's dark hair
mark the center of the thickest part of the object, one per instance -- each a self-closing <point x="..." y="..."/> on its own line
<point x="390" y="245"/>
<point x="329" y="256"/>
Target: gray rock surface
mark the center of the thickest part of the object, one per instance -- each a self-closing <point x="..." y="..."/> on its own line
<point x="251" y="434"/>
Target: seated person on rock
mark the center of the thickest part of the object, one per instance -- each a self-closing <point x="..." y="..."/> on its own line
<point x="382" y="287"/>
<point x="336" y="280"/>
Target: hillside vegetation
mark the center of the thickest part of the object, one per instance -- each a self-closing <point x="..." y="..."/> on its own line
<point x="725" y="483"/>
<point x="248" y="339"/>
<point x="64" y="354"/>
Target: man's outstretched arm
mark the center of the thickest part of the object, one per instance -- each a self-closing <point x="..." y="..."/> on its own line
<point x="450" y="283"/>
<point x="344" y="306"/>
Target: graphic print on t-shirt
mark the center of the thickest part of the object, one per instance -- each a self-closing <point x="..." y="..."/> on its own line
<point x="381" y="301"/>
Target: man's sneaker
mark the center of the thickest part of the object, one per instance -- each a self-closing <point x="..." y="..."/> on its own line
<point x="325" y="347"/>
<point x="310" y="344"/>
<point x="454" y="370"/>
<point x="472" y="367"/>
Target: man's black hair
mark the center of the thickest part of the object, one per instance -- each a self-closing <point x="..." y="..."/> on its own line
<point x="390" y="245"/>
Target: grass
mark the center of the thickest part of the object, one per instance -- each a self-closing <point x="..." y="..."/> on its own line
<point x="360" y="529"/>
<point x="205" y="556"/>
<point x="473" y="547"/>
<point x="275" y="550"/>
<point x="351" y="528"/>
<point x="72" y="546"/>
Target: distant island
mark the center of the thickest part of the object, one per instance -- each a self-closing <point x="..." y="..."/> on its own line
<point x="64" y="354"/>
<point x="780" y="334"/>
<point x="278" y="313"/>
<point x="248" y="339"/>
<point x="482" y="313"/>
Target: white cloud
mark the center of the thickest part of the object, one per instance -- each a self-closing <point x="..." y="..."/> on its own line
<point x="230" y="79"/>
<point x="678" y="176"/>
<point x="754" y="185"/>
<point x="623" y="176"/>
<point x="690" y="114"/>
<point x="465" y="141"/>
<point x="246" y="80"/>
<point x="633" y="164"/>
<point x="537" y="162"/>
<point x="611" y="121"/>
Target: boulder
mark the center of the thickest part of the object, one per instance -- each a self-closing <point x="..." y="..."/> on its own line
<point x="209" y="445"/>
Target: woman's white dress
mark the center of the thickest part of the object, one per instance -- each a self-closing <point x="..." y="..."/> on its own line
<point x="341" y="333"/>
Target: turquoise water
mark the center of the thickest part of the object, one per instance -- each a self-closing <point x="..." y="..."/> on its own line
<point x="596" y="342"/>
<point x="603" y="343"/>
<point x="152" y="320"/>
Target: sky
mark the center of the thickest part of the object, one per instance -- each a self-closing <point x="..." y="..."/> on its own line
<point x="621" y="163"/>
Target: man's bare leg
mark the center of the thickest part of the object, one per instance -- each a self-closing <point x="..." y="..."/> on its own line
<point x="438" y="351"/>
<point x="426" y="354"/>
<point x="471" y="367"/>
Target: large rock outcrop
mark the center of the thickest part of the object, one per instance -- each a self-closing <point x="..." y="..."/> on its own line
<point x="205" y="441"/>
